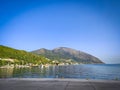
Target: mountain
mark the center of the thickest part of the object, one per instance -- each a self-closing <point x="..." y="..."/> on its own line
<point x="19" y="56"/>
<point x="64" y="54"/>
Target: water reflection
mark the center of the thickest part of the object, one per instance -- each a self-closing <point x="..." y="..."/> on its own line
<point x="6" y="72"/>
<point x="68" y="71"/>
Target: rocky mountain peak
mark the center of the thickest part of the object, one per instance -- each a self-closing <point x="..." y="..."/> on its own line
<point x="65" y="53"/>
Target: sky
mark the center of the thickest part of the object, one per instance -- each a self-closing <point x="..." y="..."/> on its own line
<point x="92" y="26"/>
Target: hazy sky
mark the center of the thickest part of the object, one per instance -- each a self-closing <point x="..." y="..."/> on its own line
<point x="92" y="26"/>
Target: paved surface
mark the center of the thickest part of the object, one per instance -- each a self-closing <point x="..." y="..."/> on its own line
<point x="57" y="84"/>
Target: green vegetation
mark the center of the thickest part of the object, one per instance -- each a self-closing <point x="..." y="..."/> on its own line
<point x="13" y="56"/>
<point x="10" y="56"/>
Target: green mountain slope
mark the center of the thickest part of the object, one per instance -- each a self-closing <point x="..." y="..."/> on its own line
<point x="64" y="53"/>
<point x="20" y="56"/>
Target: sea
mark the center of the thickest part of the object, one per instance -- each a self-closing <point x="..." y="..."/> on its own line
<point x="82" y="71"/>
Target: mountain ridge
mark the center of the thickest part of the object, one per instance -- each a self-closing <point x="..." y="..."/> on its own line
<point x="65" y="53"/>
<point x="19" y="56"/>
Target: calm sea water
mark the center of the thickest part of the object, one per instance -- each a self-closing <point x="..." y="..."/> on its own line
<point x="88" y="71"/>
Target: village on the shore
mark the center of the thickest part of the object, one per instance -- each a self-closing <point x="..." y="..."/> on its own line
<point x="10" y="63"/>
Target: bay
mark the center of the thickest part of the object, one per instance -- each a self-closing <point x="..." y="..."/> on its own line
<point x="83" y="71"/>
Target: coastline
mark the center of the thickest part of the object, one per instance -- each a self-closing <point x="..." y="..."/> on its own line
<point x="59" y="79"/>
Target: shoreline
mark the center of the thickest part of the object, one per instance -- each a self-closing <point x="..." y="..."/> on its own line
<point x="60" y="79"/>
<point x="47" y="65"/>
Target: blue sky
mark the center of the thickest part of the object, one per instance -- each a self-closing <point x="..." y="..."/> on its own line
<point x="92" y="26"/>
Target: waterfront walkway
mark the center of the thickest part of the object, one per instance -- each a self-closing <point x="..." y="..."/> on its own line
<point x="57" y="84"/>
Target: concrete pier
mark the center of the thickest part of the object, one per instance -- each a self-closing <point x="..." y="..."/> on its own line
<point x="57" y="84"/>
